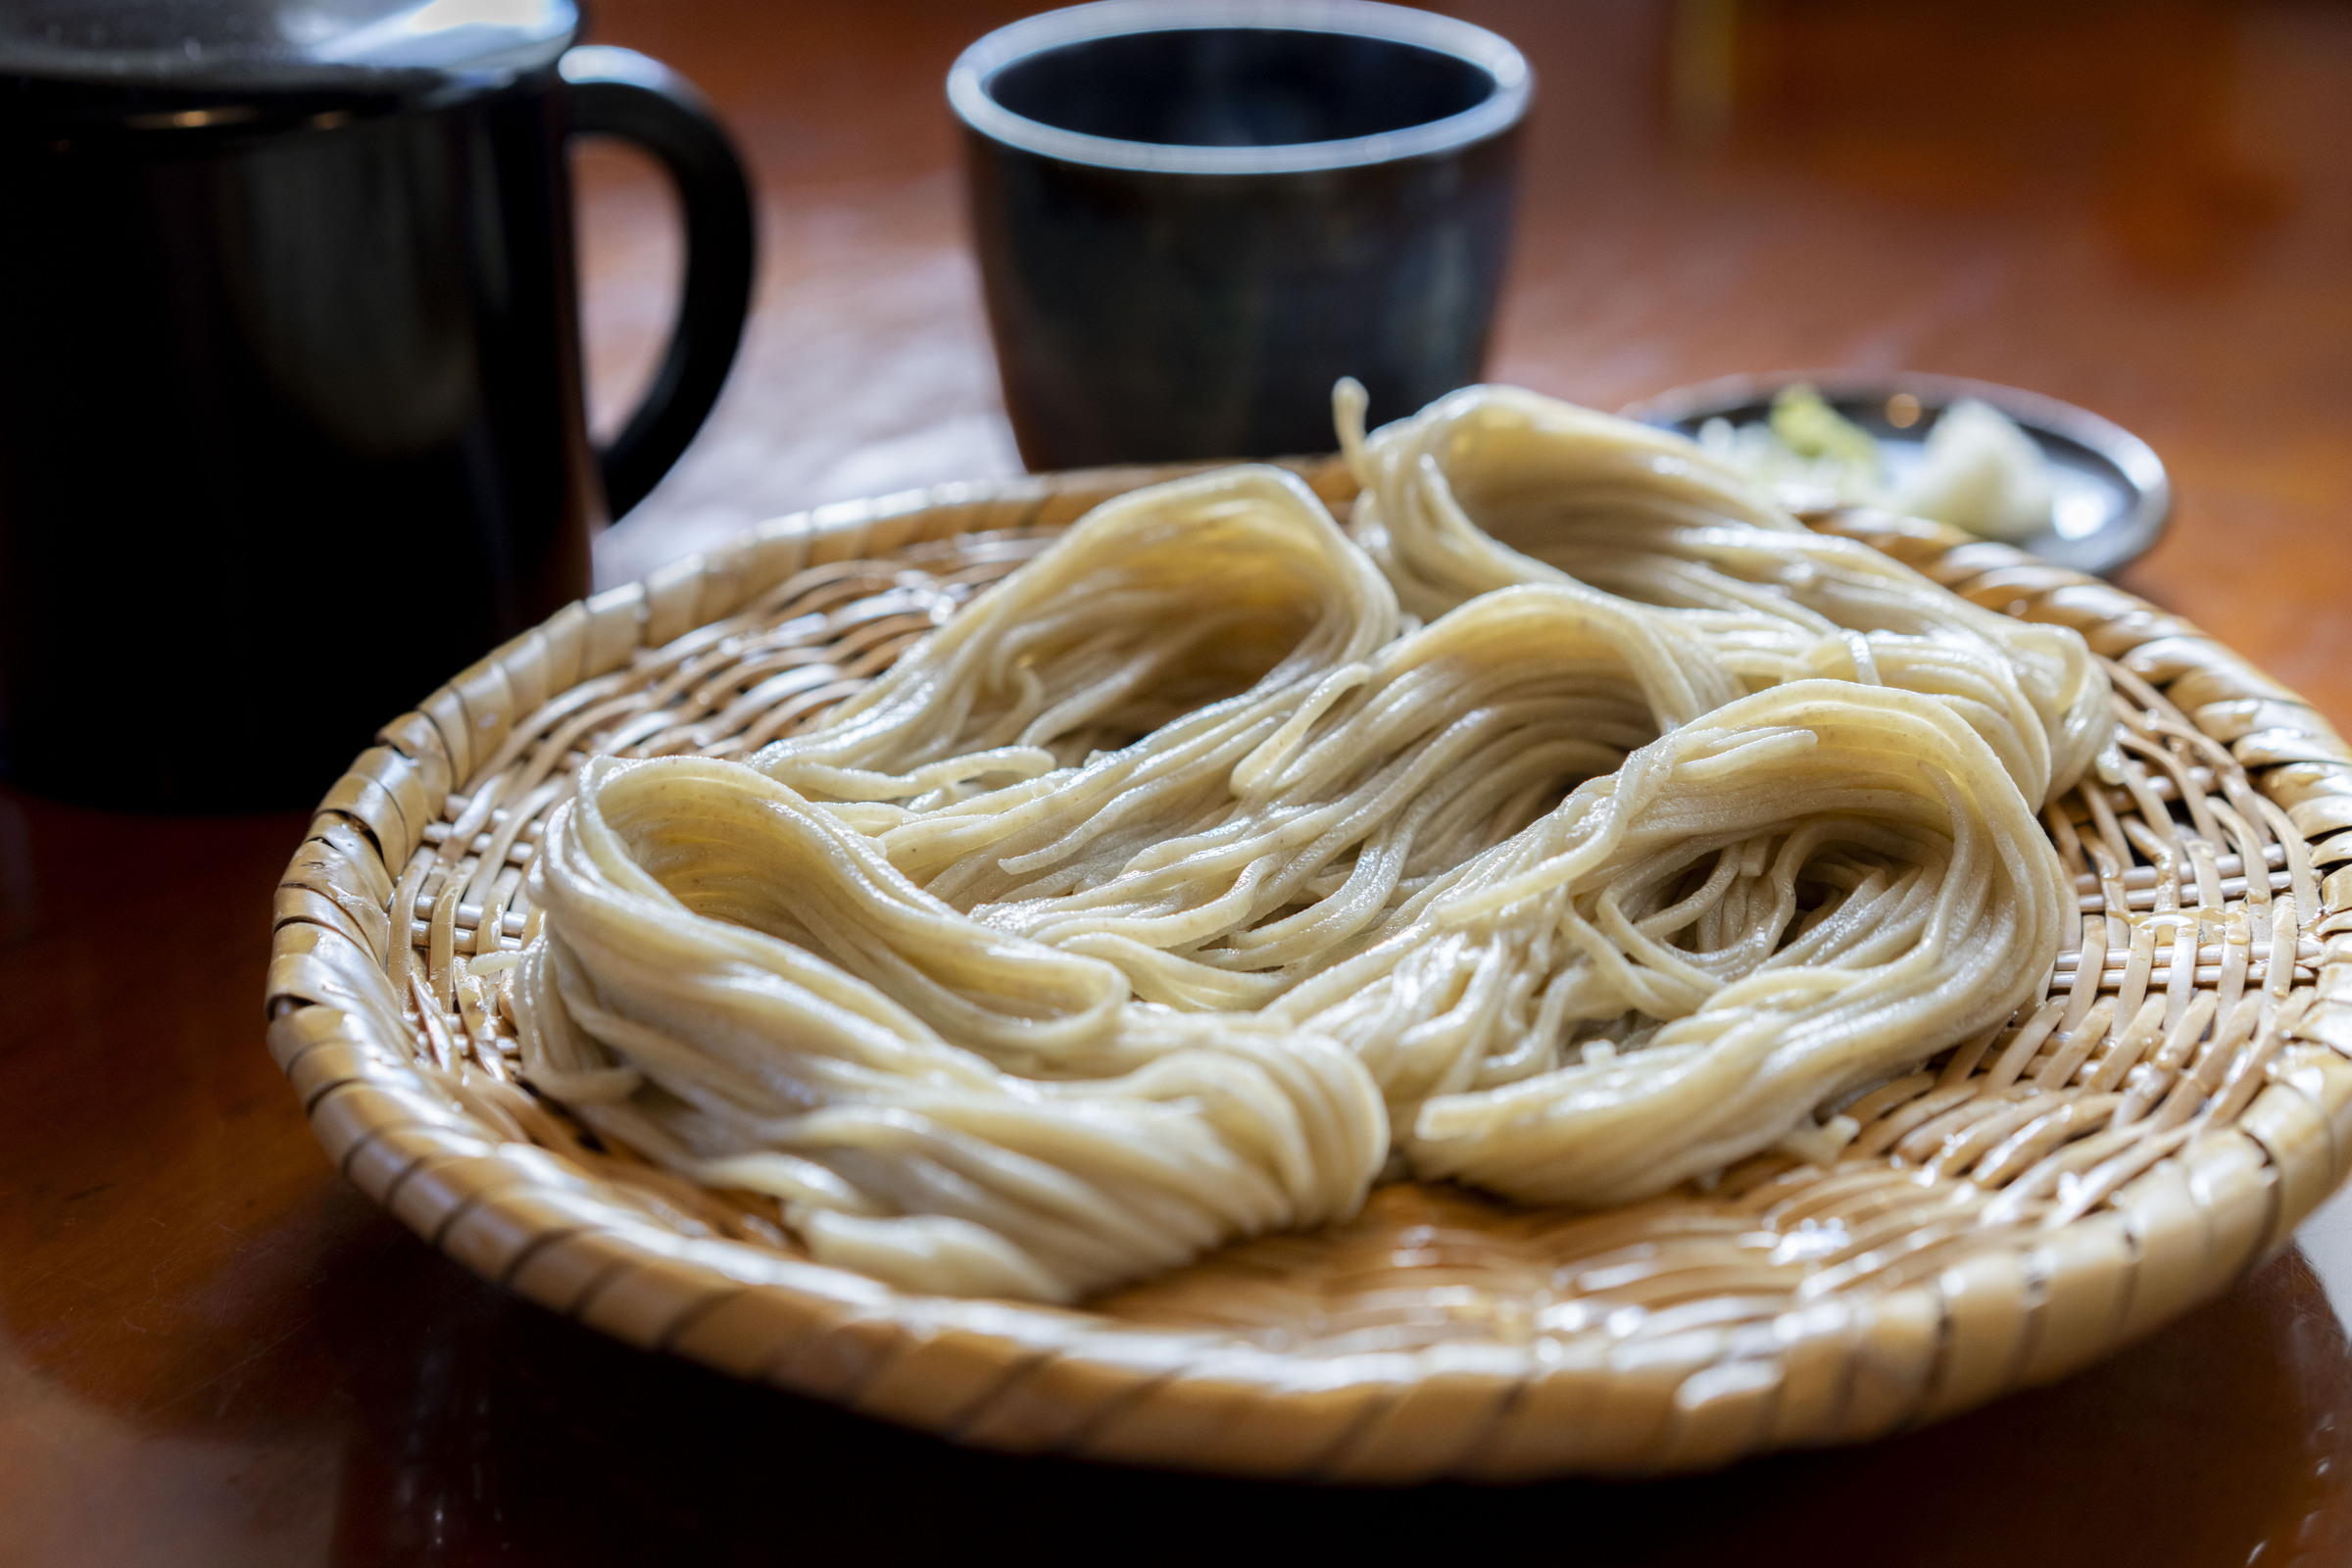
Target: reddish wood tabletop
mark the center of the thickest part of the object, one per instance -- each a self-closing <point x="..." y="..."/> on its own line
<point x="212" y="1351"/>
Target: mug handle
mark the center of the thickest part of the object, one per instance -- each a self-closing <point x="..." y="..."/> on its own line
<point x="621" y="93"/>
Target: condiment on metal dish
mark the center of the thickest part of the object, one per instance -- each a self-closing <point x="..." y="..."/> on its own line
<point x="2026" y="470"/>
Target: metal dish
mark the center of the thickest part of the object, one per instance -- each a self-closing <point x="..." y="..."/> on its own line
<point x="2112" y="496"/>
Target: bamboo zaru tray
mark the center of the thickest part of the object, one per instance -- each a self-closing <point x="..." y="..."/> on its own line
<point x="2022" y="1204"/>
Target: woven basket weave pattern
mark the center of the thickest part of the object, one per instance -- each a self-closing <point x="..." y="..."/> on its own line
<point x="2178" y="1099"/>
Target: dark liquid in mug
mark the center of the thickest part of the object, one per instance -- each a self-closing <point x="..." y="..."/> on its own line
<point x="290" y="423"/>
<point x="1239" y="87"/>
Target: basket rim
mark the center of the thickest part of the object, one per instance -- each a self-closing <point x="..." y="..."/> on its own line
<point x="1032" y="1378"/>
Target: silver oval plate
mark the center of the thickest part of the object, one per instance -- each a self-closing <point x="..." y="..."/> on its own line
<point x="2111" y="495"/>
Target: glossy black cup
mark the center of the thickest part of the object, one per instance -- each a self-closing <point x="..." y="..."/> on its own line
<point x="291" y="424"/>
<point x="1194" y="216"/>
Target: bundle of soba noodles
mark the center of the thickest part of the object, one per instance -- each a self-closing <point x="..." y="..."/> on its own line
<point x="1181" y="884"/>
<point x="1492" y="486"/>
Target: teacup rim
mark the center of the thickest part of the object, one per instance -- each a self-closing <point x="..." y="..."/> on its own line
<point x="1490" y="51"/>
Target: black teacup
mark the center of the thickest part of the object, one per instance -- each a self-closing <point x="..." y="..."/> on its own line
<point x="291" y="426"/>
<point x="1194" y="216"/>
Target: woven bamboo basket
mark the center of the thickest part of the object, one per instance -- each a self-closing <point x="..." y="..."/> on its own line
<point x="2017" y="1207"/>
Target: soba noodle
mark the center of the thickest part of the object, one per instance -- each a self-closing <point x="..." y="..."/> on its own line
<point x="1492" y="486"/>
<point x="1183" y="883"/>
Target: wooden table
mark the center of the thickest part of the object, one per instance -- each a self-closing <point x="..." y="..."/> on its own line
<point x="214" y="1351"/>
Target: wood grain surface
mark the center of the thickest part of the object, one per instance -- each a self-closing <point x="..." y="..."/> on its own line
<point x="214" y="1351"/>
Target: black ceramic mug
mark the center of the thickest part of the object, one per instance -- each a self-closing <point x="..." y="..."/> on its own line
<point x="1194" y="216"/>
<point x="291" y="423"/>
